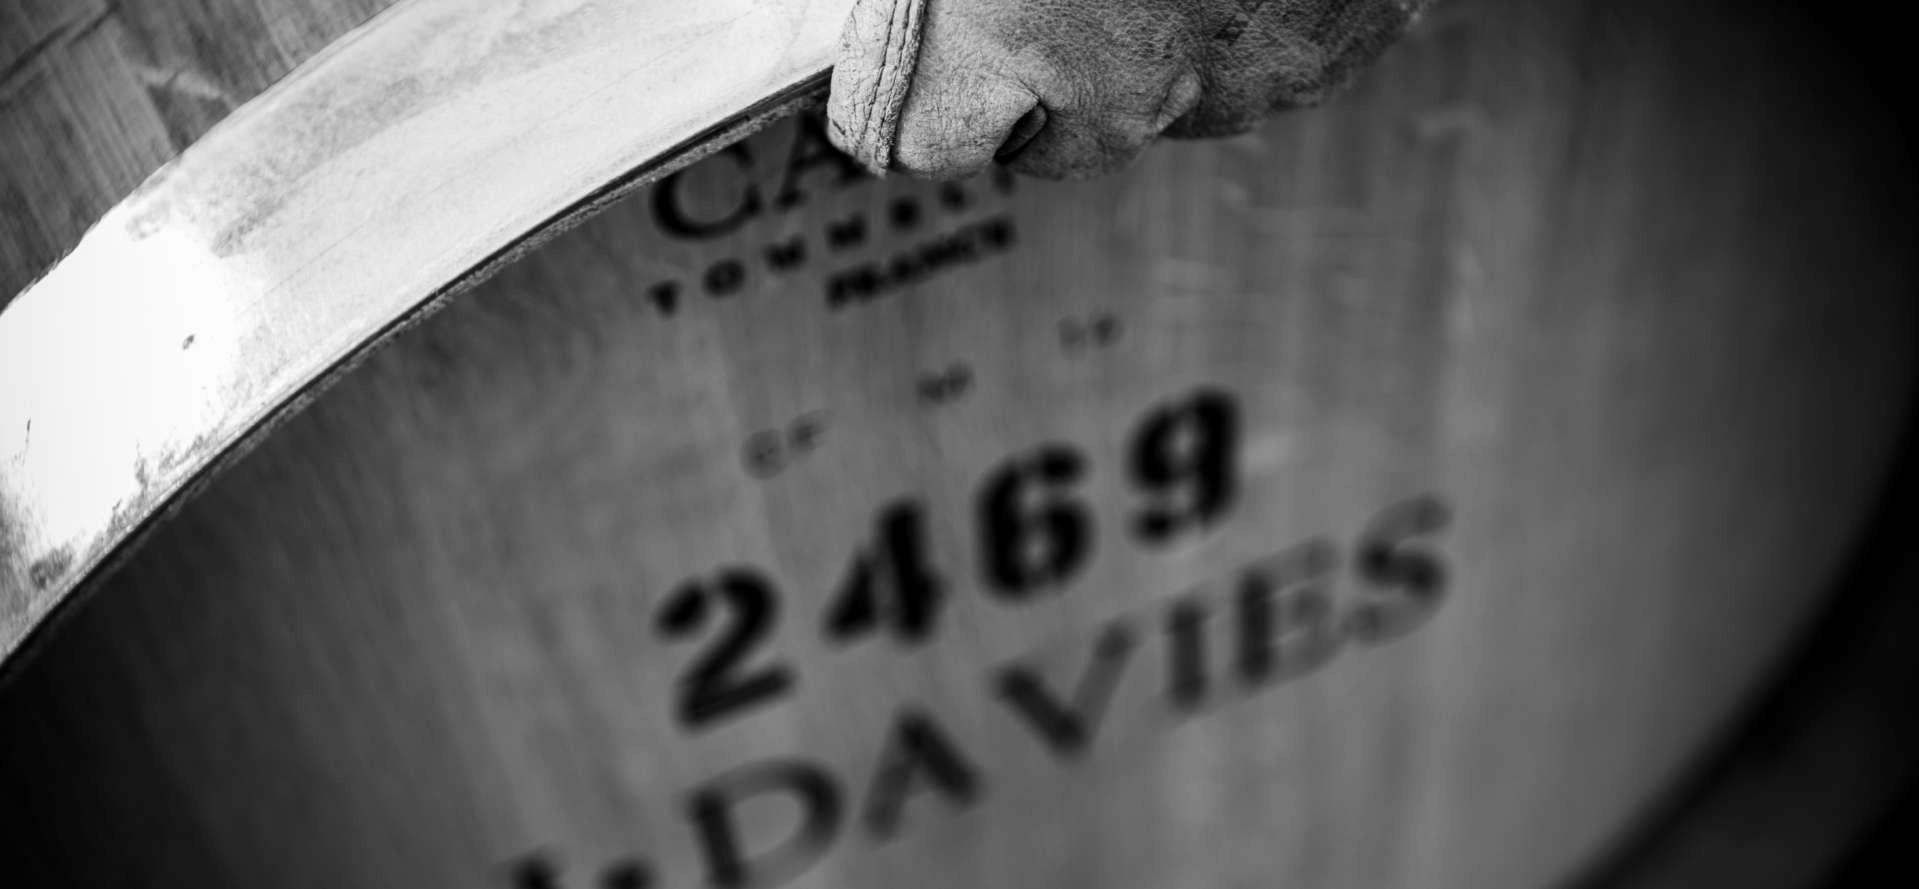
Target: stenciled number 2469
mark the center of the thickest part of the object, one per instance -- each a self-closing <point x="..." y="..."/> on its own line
<point x="1034" y="535"/>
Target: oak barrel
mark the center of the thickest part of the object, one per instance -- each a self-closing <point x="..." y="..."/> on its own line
<point x="1401" y="495"/>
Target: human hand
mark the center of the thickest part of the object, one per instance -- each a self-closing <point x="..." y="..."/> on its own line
<point x="1073" y="88"/>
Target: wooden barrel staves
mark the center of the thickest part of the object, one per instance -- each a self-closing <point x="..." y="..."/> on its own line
<point x="1401" y="495"/>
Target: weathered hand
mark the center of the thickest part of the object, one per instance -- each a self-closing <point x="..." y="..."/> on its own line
<point x="1071" y="88"/>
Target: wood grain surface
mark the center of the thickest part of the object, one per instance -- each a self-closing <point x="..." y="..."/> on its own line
<point x="97" y="95"/>
<point x="331" y="210"/>
<point x="1623" y="286"/>
<point x="1817" y="783"/>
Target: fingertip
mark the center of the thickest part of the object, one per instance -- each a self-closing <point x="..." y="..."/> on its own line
<point x="956" y="129"/>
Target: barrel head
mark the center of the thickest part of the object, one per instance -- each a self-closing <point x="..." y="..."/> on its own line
<point x="1396" y="496"/>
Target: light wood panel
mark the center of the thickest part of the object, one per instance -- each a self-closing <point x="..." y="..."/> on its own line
<point x="98" y="95"/>
<point x="334" y="208"/>
<point x="1623" y="286"/>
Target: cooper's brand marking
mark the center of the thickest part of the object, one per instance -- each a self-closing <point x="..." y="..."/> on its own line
<point x="1035" y="531"/>
<point x="809" y="166"/>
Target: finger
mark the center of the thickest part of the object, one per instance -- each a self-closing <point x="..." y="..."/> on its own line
<point x="960" y="113"/>
<point x="1081" y="96"/>
<point x="1078" y="145"/>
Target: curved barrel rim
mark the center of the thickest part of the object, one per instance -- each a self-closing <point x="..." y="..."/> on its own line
<point x="327" y="214"/>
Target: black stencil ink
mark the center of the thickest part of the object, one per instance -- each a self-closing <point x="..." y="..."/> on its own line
<point x="946" y="386"/>
<point x="1004" y="180"/>
<point x="1185" y="458"/>
<point x="765" y="453"/>
<point x="1397" y="563"/>
<point x="670" y="211"/>
<point x="1067" y="728"/>
<point x="917" y="755"/>
<point x="710" y="808"/>
<point x="810" y="152"/>
<point x="769" y="452"/>
<point x="724" y="278"/>
<point x="805" y="432"/>
<point x="665" y="297"/>
<point x="845" y="234"/>
<point x="869" y="281"/>
<point x="998" y="233"/>
<point x="905" y="213"/>
<point x="1287" y="625"/>
<point x="535" y="872"/>
<point x="787" y="255"/>
<point x="538" y="872"/>
<point x="719" y="684"/>
<point x="953" y="196"/>
<point x="891" y="586"/>
<point x="1097" y="332"/>
<point x="628" y="875"/>
<point x="1186" y="654"/>
<point x="1033" y="535"/>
